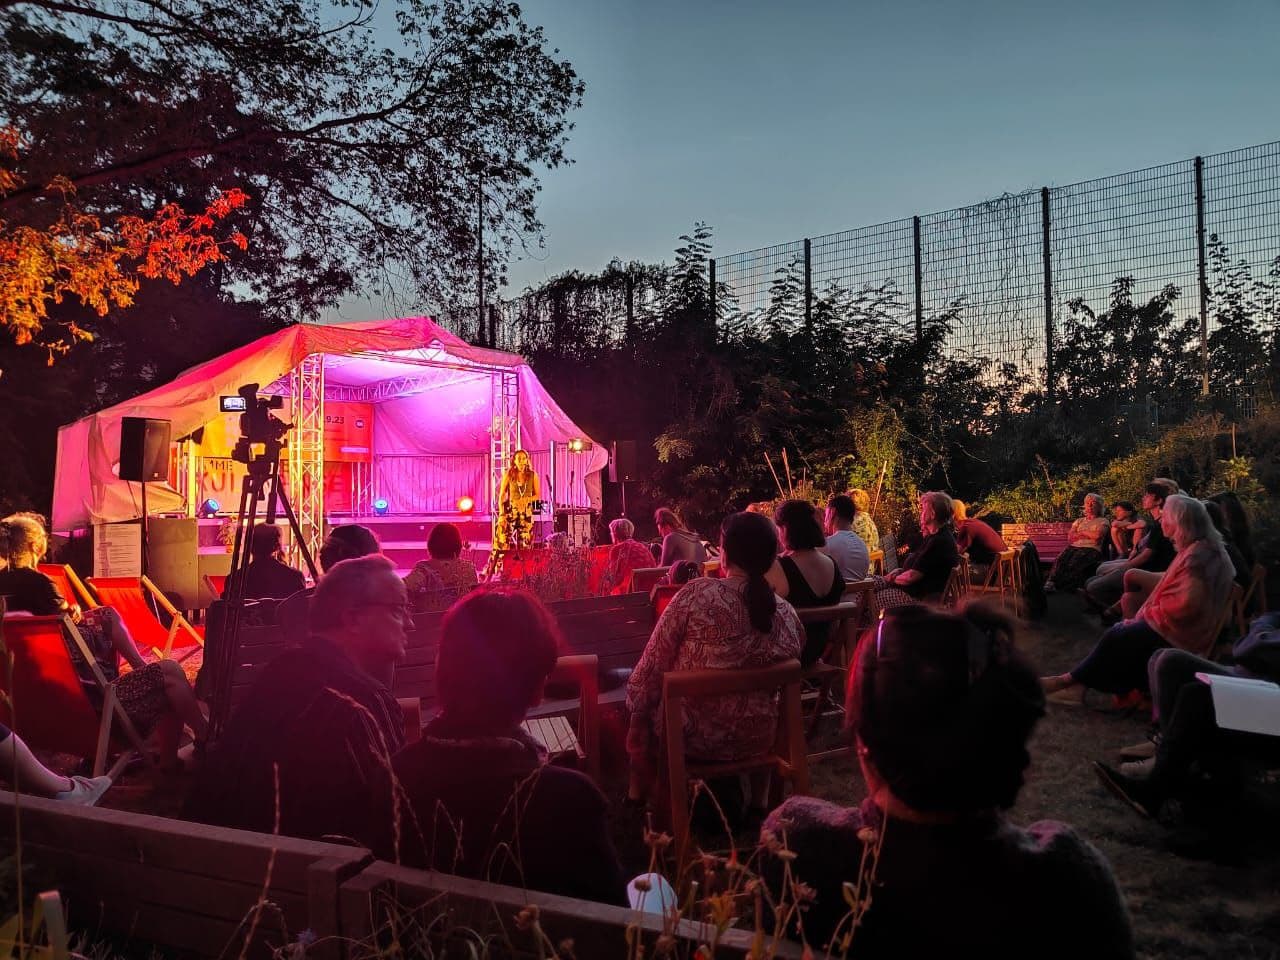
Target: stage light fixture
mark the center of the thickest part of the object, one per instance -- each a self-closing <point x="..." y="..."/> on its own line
<point x="466" y="504"/>
<point x="209" y="507"/>
<point x="576" y="445"/>
<point x="381" y="506"/>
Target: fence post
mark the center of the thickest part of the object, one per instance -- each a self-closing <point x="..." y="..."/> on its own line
<point x="808" y="288"/>
<point x="711" y="286"/>
<point x="1046" y="254"/>
<point x="919" y="278"/>
<point x="631" y="303"/>
<point x="1204" y="282"/>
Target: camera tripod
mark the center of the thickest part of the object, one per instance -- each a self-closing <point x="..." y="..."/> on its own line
<point x="261" y="481"/>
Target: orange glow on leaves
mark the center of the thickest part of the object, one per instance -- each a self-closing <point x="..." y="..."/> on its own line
<point x="100" y="265"/>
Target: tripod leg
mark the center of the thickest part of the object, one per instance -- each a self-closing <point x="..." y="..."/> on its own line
<point x="297" y="533"/>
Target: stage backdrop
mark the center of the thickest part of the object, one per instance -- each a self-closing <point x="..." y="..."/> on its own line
<point x="442" y="416"/>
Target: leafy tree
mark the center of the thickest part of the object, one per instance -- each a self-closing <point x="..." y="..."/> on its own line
<point x="366" y="164"/>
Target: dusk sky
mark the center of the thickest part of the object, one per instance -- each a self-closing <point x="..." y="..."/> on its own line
<point x="775" y="121"/>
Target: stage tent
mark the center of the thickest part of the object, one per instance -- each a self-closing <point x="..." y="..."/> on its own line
<point x="433" y="403"/>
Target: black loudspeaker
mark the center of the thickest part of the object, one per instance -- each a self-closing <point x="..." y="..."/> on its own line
<point x="622" y="461"/>
<point x="144" y="449"/>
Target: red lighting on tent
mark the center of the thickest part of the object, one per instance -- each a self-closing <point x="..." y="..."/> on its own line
<point x="466" y="504"/>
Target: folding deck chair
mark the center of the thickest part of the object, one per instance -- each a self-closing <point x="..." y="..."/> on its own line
<point x="133" y="599"/>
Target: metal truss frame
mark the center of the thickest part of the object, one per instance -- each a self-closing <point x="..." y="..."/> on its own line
<point x="306" y="451"/>
<point x="504" y="435"/>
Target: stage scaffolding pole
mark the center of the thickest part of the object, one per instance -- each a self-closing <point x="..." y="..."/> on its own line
<point x="504" y="437"/>
<point x="306" y="452"/>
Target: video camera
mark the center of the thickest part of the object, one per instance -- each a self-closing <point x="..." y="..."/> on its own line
<point x="258" y="426"/>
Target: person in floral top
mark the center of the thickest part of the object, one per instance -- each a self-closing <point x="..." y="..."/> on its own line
<point x="863" y="525"/>
<point x="732" y="623"/>
<point x="434" y="584"/>
<point x="625" y="555"/>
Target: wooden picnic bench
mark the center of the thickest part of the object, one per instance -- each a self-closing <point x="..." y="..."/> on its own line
<point x="1050" y="539"/>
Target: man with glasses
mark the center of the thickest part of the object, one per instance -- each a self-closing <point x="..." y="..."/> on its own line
<point x="316" y="732"/>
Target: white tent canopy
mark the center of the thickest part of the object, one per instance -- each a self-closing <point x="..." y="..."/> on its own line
<point x="433" y="401"/>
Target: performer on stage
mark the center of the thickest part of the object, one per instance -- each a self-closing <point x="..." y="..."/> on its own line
<point x="518" y="495"/>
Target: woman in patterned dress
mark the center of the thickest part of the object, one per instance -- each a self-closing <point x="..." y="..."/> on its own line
<point x="728" y="623"/>
<point x="519" y="492"/>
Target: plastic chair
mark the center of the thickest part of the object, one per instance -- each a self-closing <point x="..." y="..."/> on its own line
<point x="132" y="599"/>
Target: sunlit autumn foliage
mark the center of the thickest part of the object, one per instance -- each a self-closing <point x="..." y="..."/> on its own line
<point x="99" y="264"/>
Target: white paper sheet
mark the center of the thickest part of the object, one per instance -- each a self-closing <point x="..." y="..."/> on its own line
<point x="1240" y="703"/>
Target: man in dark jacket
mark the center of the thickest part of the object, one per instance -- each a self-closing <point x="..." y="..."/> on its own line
<point x="316" y="733"/>
<point x="476" y="796"/>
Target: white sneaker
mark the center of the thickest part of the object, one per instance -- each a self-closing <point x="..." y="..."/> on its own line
<point x="85" y="791"/>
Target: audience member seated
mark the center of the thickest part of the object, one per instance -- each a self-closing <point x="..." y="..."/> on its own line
<point x="156" y="696"/>
<point x="1238" y="524"/>
<point x="805" y="576"/>
<point x="435" y="583"/>
<point x="977" y="540"/>
<point x="1188" y="740"/>
<point x="941" y="708"/>
<point x="844" y="546"/>
<point x="345" y="542"/>
<point x="1089" y="536"/>
<point x="924" y="573"/>
<point x="1183" y="611"/>
<point x="678" y="543"/>
<point x="267" y="575"/>
<point x="682" y="571"/>
<point x="1152" y="552"/>
<point x="26" y="774"/>
<point x="625" y="555"/>
<point x="863" y="525"/>
<point x="476" y="795"/>
<point x="1123" y="516"/>
<point x="1243" y="571"/>
<point x="314" y="738"/>
<point x="733" y="622"/>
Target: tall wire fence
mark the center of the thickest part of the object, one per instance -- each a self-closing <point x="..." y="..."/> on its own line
<point x="1008" y="272"/>
<point x="1010" y="268"/>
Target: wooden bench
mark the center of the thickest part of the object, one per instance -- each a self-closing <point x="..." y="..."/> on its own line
<point x="189" y="888"/>
<point x="385" y="901"/>
<point x="1050" y="538"/>
<point x="200" y="891"/>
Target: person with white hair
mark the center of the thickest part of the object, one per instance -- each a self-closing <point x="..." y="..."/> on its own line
<point x="1183" y="611"/>
<point x="625" y="555"/>
<point x="316" y="732"/>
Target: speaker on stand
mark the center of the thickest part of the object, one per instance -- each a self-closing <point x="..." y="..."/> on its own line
<point x="144" y="458"/>
<point x="622" y="466"/>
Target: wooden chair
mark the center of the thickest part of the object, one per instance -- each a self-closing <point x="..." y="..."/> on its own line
<point x="957" y="587"/>
<point x="877" y="561"/>
<point x="1227" y="617"/>
<point x="661" y="595"/>
<point x="888" y="553"/>
<point x="644" y="579"/>
<point x="46" y="703"/>
<point x="132" y="598"/>
<point x="69" y="585"/>
<point x="215" y="583"/>
<point x="856" y="610"/>
<point x="554" y="731"/>
<point x="1254" y="599"/>
<point x="1002" y="578"/>
<point x="786" y="761"/>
